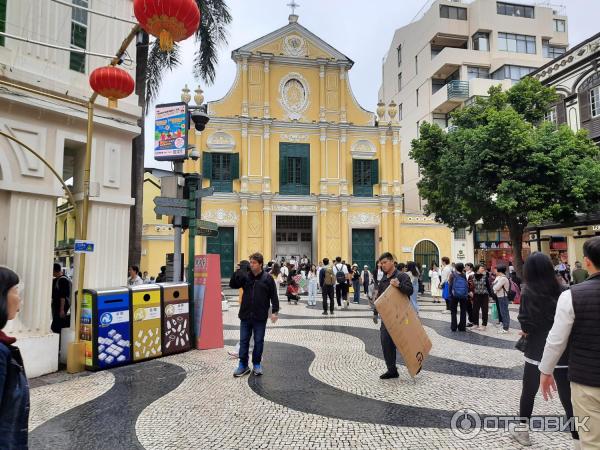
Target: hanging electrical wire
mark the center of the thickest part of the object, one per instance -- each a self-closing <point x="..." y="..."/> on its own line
<point x="91" y="11"/>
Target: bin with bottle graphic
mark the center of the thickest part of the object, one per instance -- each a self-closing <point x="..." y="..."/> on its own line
<point x="175" y="318"/>
<point x="146" y="328"/>
<point x="106" y="327"/>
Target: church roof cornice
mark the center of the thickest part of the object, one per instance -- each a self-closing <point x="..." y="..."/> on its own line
<point x="249" y="50"/>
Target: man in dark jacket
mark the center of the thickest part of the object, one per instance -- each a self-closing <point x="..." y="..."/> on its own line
<point x="259" y="293"/>
<point x="400" y="280"/>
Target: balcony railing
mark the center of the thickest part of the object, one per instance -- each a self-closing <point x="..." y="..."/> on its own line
<point x="458" y="89"/>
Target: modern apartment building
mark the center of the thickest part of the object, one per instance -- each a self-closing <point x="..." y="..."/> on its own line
<point x="454" y="52"/>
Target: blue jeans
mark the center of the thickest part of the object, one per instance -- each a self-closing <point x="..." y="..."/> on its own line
<point x="413" y="296"/>
<point x="504" y="315"/>
<point x="247" y="327"/>
<point x="356" y="287"/>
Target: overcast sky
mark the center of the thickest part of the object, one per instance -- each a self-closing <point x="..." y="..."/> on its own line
<point x="362" y="31"/>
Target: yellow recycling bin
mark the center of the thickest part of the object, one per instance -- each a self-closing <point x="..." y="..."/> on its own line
<point x="146" y="327"/>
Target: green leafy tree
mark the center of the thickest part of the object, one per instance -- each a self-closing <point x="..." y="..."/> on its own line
<point x="153" y="65"/>
<point x="507" y="166"/>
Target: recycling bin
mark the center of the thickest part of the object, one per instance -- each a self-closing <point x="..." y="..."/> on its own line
<point x="175" y="318"/>
<point x="145" y="301"/>
<point x="106" y="327"/>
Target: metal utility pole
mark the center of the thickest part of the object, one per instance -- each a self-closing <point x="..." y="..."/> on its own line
<point x="178" y="166"/>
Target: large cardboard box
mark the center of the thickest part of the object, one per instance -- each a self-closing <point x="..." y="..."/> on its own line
<point x="404" y="327"/>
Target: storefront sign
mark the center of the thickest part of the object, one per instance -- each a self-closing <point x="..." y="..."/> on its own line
<point x="595" y="227"/>
<point x="170" y="132"/>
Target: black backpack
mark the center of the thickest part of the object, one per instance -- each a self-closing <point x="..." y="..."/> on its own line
<point x="340" y="276"/>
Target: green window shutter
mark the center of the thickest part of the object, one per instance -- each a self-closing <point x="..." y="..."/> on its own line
<point x="2" y="20"/>
<point x="305" y="171"/>
<point x="235" y="166"/>
<point x="355" y="169"/>
<point x="375" y="171"/>
<point x="207" y="165"/>
<point x="283" y="172"/>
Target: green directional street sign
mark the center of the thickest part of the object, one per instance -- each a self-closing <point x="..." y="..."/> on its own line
<point x="206" y="224"/>
<point x="171" y="211"/>
<point x="206" y="232"/>
<point x="173" y="202"/>
<point x="206" y="192"/>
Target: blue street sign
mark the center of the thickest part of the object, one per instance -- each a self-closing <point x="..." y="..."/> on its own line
<point x="83" y="246"/>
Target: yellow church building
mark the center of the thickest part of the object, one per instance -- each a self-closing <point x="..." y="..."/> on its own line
<point x="299" y="167"/>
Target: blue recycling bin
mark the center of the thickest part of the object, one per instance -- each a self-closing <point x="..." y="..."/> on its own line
<point x="106" y="327"/>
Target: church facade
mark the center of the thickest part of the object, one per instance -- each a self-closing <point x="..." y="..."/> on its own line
<point x="298" y="166"/>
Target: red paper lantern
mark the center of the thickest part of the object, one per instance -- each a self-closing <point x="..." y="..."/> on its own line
<point x="112" y="83"/>
<point x="169" y="20"/>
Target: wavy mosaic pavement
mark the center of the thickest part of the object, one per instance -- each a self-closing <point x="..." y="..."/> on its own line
<point x="320" y="390"/>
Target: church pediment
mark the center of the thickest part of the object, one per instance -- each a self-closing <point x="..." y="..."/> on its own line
<point x="292" y="41"/>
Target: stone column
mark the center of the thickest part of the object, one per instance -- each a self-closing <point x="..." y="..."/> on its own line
<point x="267" y="235"/>
<point x="344" y="226"/>
<point x="397" y="222"/>
<point x="343" y="89"/>
<point x="346" y="163"/>
<point x="396" y="161"/>
<point x="322" y="232"/>
<point x="323" y="152"/>
<point x="243" y="230"/>
<point x="322" y="92"/>
<point x="267" y="84"/>
<point x="244" y="154"/>
<point x="245" y="87"/>
<point x="267" y="158"/>
<point x="383" y="162"/>
<point x="385" y="236"/>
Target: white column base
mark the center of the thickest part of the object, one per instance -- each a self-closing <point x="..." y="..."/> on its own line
<point x="40" y="354"/>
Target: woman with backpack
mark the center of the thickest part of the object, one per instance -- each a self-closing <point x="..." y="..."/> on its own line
<point x="536" y="316"/>
<point x="459" y="292"/>
<point x="501" y="288"/>
<point x="14" y="400"/>
<point x="413" y="274"/>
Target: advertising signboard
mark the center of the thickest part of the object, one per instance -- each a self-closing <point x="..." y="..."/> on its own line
<point x="170" y="132"/>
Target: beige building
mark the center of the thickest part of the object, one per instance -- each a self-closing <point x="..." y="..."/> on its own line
<point x="454" y="52"/>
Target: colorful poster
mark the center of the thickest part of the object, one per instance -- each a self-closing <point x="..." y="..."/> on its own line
<point x="170" y="132"/>
<point x="85" y="330"/>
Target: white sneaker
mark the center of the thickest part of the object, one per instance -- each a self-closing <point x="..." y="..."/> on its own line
<point x="482" y="328"/>
<point x="503" y="331"/>
<point x="521" y="436"/>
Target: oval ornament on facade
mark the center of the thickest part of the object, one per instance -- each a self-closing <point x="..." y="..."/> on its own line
<point x="294" y="95"/>
<point x="294" y="45"/>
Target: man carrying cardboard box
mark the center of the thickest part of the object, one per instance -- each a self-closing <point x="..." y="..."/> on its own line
<point x="401" y="280"/>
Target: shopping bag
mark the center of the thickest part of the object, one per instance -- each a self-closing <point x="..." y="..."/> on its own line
<point x="446" y="290"/>
<point x="494" y="312"/>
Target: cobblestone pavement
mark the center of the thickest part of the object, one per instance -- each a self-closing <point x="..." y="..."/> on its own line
<point x="321" y="389"/>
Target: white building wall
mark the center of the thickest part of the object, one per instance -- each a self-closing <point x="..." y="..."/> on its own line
<point x="28" y="190"/>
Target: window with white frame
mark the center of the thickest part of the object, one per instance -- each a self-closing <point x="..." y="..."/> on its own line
<point x="550" y="116"/>
<point x="552" y="51"/>
<point x="516" y="43"/>
<point x="595" y="101"/>
<point x="560" y="25"/>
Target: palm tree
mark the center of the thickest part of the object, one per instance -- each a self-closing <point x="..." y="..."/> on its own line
<point x="152" y="65"/>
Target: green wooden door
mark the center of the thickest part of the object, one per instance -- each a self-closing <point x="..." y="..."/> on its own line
<point x="223" y="245"/>
<point x="363" y="248"/>
<point x="426" y="252"/>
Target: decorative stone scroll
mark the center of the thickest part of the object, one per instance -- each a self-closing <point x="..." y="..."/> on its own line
<point x="221" y="216"/>
<point x="362" y="219"/>
<point x="295" y="208"/>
